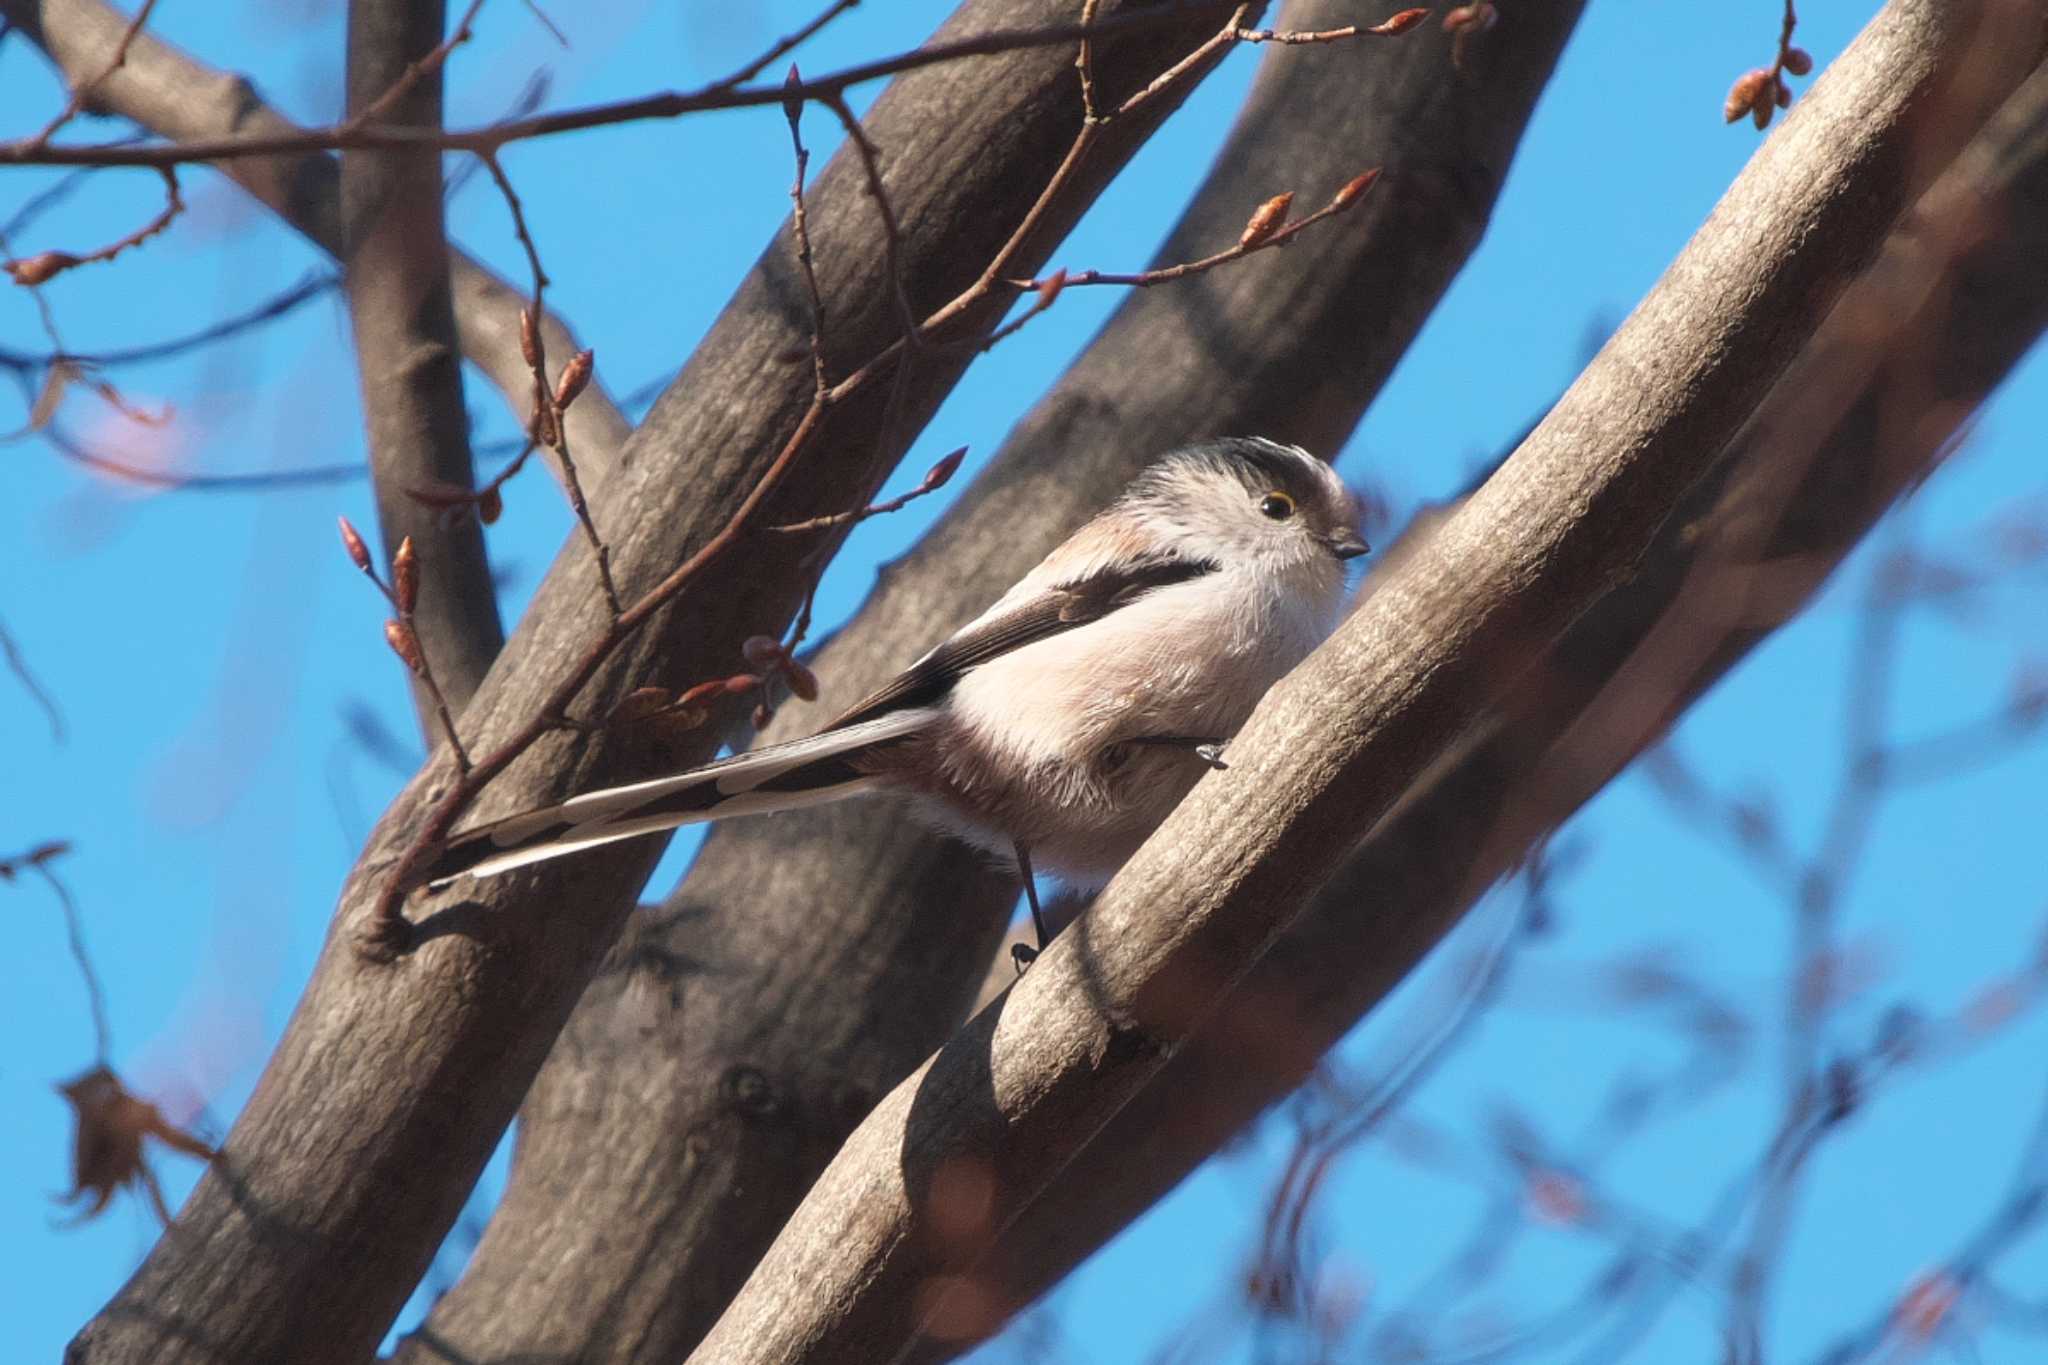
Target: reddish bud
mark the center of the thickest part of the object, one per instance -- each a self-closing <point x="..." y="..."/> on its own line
<point x="529" y="337"/>
<point x="352" y="541"/>
<point x="802" y="681"/>
<point x="1750" y="89"/>
<point x="1400" y="23"/>
<point x="1355" y="189"/>
<point x="639" y="704"/>
<point x="405" y="577"/>
<point x="40" y="268"/>
<point x="1926" y="1304"/>
<point x="941" y="473"/>
<point x="575" y="377"/>
<point x="1798" y="61"/>
<point x="763" y="652"/>
<point x="1467" y="19"/>
<point x="1783" y="96"/>
<point x="1049" y="288"/>
<point x="1760" y="113"/>
<point x="1556" y="1197"/>
<point x="1266" y="220"/>
<point x="792" y="103"/>
<point x="489" y="506"/>
<point x="405" y="645"/>
<point x="739" y="683"/>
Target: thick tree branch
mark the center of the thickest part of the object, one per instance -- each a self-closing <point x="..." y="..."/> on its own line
<point x="395" y="270"/>
<point x="672" y="1132"/>
<point x="1857" y="423"/>
<point x="398" y="1073"/>
<point x="169" y="93"/>
<point x="878" y="1247"/>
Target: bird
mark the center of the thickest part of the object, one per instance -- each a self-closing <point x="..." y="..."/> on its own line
<point x="1065" y="722"/>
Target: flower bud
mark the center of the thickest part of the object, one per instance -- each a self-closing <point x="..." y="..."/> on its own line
<point x="405" y="577"/>
<point x="405" y="645"/>
<point x="358" y="553"/>
<point x="575" y="377"/>
<point x="39" y="268"/>
<point x="1355" y="189"/>
<point x="1266" y="220"/>
<point x="529" y="337"/>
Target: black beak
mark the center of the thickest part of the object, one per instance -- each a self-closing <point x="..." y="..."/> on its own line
<point x="1347" y="545"/>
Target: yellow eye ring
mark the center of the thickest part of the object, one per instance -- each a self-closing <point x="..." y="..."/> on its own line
<point x="1277" y="505"/>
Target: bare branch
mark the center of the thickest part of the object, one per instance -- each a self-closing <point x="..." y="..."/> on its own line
<point x="1032" y="1080"/>
<point x="395" y="267"/>
<point x="17" y="664"/>
<point x="367" y="1161"/>
<point x="44" y="266"/>
<point x="169" y="93"/>
<point x="676" y="104"/>
<point x="1855" y="425"/>
<point x="82" y="91"/>
<point x="38" y="860"/>
<point x="862" y="935"/>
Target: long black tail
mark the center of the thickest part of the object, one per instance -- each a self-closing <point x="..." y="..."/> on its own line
<point x="804" y="772"/>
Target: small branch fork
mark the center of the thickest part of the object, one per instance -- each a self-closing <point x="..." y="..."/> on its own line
<point x="82" y="92"/>
<point x="415" y="72"/>
<point x="388" y="930"/>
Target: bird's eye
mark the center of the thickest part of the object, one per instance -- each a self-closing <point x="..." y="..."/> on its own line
<point x="1278" y="506"/>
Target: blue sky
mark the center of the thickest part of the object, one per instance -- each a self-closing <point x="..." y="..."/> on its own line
<point x="210" y="651"/>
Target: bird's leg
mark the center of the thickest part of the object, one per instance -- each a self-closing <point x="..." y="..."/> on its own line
<point x="1209" y="751"/>
<point x="1019" y="954"/>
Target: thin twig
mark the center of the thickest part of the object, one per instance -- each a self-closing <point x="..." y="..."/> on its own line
<point x="17" y="664"/>
<point x="786" y="45"/>
<point x="800" y="232"/>
<point x="311" y="287"/>
<point x="935" y="479"/>
<point x="414" y="73"/>
<point x="664" y="105"/>
<point x="45" y="265"/>
<point x="548" y="426"/>
<point x="38" y="860"/>
<point x="387" y="929"/>
<point x="1084" y="64"/>
<point x="1145" y="279"/>
<point x="892" y="228"/>
<point x="82" y="92"/>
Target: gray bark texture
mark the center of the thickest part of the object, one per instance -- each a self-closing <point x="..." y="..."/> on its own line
<point x="398" y="1072"/>
<point x="1865" y="414"/>
<point x="167" y="92"/>
<point x="891" y="1238"/>
<point x="395" y="270"/>
<point x="811" y="960"/>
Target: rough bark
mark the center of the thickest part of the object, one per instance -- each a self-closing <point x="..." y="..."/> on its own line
<point x="395" y="271"/>
<point x="1958" y="299"/>
<point x="398" y="1073"/>
<point x="886" y="1242"/>
<point x="811" y="960"/>
<point x="169" y="93"/>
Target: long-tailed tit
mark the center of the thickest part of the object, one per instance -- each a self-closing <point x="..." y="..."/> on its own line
<point x="1066" y="721"/>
